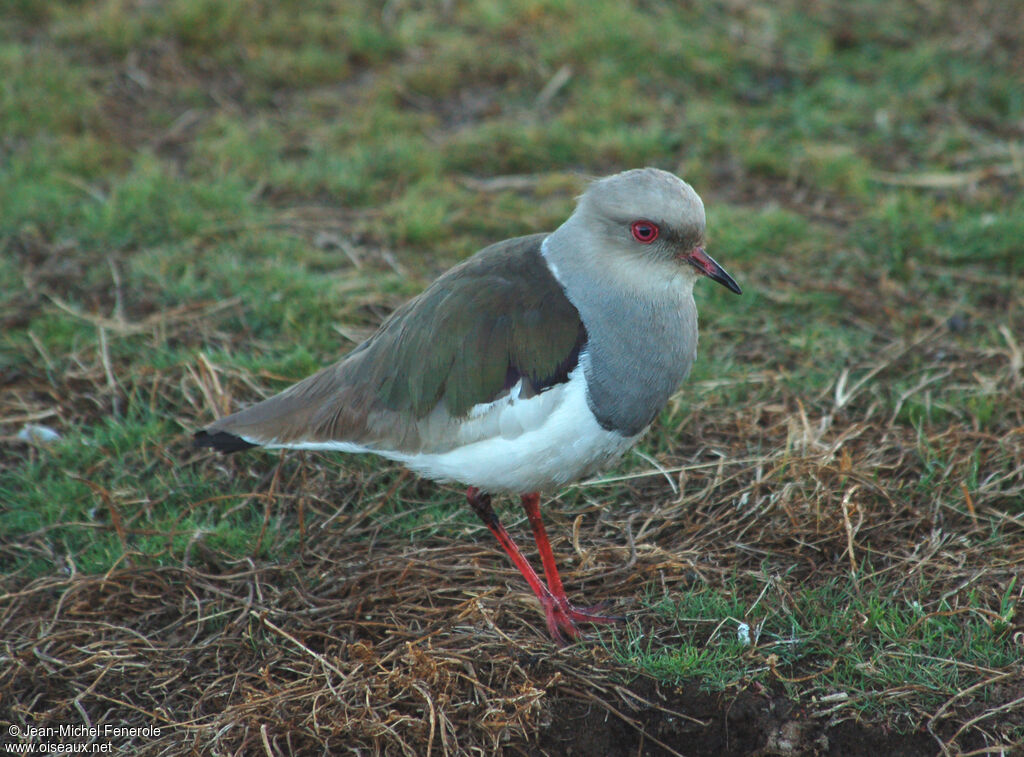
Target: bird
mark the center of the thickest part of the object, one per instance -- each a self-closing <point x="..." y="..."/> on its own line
<point x="532" y="364"/>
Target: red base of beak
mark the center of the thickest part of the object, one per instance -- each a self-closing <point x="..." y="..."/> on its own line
<point x="707" y="265"/>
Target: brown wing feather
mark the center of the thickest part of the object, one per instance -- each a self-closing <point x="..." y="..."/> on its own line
<point x="487" y="323"/>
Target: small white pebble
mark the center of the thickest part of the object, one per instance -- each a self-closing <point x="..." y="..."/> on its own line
<point x="743" y="634"/>
<point x="31" y="432"/>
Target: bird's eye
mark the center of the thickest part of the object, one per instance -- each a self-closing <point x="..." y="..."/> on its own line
<point x="644" y="232"/>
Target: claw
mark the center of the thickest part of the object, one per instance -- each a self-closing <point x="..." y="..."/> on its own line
<point x="592" y="614"/>
<point x="562" y="617"/>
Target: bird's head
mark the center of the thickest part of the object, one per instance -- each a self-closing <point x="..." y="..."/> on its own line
<point x="650" y="216"/>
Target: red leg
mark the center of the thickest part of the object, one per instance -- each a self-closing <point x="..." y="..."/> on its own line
<point x="560" y="625"/>
<point x="531" y="503"/>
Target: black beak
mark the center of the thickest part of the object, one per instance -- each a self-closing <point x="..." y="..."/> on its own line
<point x="707" y="265"/>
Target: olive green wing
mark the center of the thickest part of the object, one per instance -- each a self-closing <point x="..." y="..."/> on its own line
<point x="490" y="322"/>
<point x="497" y="318"/>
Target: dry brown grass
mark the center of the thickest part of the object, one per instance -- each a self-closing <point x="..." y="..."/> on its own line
<point x="362" y="642"/>
<point x="367" y="639"/>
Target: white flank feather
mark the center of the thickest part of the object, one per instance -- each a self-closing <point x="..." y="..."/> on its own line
<point x="516" y="444"/>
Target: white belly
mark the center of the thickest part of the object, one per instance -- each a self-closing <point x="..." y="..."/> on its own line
<point x="513" y="444"/>
<point x="541" y="443"/>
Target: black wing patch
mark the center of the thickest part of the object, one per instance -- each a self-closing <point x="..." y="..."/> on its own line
<point x="221" y="441"/>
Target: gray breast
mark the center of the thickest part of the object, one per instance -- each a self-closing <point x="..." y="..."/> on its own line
<point x="638" y="353"/>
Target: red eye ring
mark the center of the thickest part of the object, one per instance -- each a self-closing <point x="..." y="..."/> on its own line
<point x="644" y="232"/>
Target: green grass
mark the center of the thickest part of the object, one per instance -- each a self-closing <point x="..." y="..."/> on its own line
<point x="313" y="165"/>
<point x="107" y="495"/>
<point x="846" y="636"/>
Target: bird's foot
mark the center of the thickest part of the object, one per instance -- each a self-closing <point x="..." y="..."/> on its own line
<point x="562" y="617"/>
<point x="591" y="614"/>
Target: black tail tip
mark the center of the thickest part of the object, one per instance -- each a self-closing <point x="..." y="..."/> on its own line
<point x="221" y="441"/>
